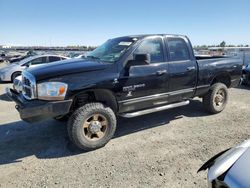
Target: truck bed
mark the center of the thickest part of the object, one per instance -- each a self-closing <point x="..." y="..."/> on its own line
<point x="218" y="65"/>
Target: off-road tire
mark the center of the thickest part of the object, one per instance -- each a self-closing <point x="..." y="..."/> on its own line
<point x="77" y="119"/>
<point x="209" y="99"/>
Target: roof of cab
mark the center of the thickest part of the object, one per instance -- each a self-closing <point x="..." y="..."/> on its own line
<point x="148" y="35"/>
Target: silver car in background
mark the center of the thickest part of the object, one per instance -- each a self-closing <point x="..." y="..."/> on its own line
<point x="230" y="168"/>
<point x="11" y="71"/>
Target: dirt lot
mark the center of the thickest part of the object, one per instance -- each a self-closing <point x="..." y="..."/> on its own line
<point x="159" y="150"/>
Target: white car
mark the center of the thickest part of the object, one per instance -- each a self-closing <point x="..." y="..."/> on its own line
<point x="230" y="168"/>
<point x="11" y="71"/>
<point x="81" y="56"/>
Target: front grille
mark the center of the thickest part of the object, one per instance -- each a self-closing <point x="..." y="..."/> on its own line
<point x="29" y="85"/>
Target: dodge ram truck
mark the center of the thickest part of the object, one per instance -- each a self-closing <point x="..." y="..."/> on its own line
<point x="127" y="76"/>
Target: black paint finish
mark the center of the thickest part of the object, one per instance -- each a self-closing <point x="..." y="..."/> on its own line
<point x="142" y="86"/>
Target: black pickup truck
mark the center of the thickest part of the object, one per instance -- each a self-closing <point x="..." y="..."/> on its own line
<point x="127" y="76"/>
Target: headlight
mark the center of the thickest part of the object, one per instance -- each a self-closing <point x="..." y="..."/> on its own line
<point x="52" y="90"/>
<point x="17" y="84"/>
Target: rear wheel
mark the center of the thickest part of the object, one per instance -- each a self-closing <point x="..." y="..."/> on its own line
<point x="92" y="126"/>
<point x="216" y="99"/>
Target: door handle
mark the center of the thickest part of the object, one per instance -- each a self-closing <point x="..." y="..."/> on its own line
<point x="190" y="68"/>
<point x="161" y="72"/>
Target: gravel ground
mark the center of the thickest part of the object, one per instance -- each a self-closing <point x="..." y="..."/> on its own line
<point x="163" y="149"/>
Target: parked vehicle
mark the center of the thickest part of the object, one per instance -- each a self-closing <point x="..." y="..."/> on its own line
<point x="127" y="76"/>
<point x="230" y="168"/>
<point x="246" y="75"/>
<point x="11" y="71"/>
<point x="17" y="59"/>
<point x="80" y="56"/>
<point x="2" y="59"/>
<point x="2" y="56"/>
<point x="239" y="52"/>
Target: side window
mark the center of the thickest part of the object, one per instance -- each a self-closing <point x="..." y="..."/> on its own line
<point x="38" y="61"/>
<point x="178" y="49"/>
<point x="54" y="58"/>
<point x="154" y="47"/>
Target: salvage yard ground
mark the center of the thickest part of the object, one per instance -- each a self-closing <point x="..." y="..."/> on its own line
<point x="163" y="149"/>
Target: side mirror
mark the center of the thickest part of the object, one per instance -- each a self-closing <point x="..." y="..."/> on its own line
<point x="142" y="58"/>
<point x="139" y="59"/>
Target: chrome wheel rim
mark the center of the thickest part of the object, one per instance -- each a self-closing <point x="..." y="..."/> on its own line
<point x="219" y="98"/>
<point x="95" y="127"/>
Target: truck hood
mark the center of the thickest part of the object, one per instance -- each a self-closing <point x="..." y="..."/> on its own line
<point x="66" y="67"/>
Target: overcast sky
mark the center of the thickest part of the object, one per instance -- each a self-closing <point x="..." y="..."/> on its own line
<point x="80" y="22"/>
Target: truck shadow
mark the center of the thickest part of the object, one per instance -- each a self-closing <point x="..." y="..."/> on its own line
<point x="247" y="87"/>
<point x="4" y="97"/>
<point x="49" y="139"/>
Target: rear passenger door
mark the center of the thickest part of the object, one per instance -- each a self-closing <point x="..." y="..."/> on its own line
<point x="182" y="68"/>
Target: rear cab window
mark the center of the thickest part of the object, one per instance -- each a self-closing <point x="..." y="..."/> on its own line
<point x="178" y="49"/>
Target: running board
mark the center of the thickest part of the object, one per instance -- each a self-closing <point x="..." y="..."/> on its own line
<point x="157" y="109"/>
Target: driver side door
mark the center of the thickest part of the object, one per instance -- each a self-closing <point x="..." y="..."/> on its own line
<point x="145" y="85"/>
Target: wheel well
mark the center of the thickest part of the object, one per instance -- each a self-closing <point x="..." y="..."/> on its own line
<point x="17" y="72"/>
<point x="98" y="95"/>
<point x="222" y="78"/>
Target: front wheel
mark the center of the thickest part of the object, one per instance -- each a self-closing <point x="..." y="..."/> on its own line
<point x="216" y="99"/>
<point x="92" y="126"/>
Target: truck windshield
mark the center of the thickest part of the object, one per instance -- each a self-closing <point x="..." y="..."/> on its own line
<point x="112" y="50"/>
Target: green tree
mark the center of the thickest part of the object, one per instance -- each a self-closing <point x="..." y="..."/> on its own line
<point x="223" y="44"/>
